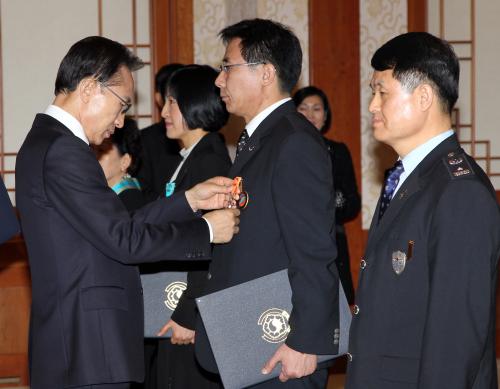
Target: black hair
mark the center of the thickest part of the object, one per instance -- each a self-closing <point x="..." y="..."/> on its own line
<point x="419" y="57"/>
<point x="198" y="98"/>
<point x="267" y="41"/>
<point x="97" y="57"/>
<point x="163" y="75"/>
<point x="128" y="140"/>
<point x="307" y="91"/>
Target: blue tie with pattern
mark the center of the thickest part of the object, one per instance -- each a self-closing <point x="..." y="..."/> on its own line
<point x="390" y="184"/>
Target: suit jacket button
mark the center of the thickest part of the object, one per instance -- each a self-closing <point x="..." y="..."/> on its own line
<point x="209" y="276"/>
<point x="362" y="264"/>
<point x="356" y="310"/>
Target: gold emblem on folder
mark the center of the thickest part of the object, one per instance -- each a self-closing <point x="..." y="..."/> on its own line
<point x="274" y="324"/>
<point x="174" y="292"/>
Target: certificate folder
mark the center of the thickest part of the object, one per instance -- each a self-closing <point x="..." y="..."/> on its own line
<point x="161" y="293"/>
<point x="246" y="323"/>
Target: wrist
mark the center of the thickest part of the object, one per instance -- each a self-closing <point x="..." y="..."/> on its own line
<point x="191" y="201"/>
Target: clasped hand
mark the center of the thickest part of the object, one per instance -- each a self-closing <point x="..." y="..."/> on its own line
<point x="214" y="194"/>
<point x="180" y="334"/>
<point x="294" y="364"/>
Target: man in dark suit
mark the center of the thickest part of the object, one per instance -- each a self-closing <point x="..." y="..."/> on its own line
<point x="425" y="313"/>
<point x="86" y="326"/>
<point x="288" y="222"/>
<point x="160" y="155"/>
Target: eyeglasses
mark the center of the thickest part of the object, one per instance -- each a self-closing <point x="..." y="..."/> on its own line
<point x="125" y="104"/>
<point x="225" y="68"/>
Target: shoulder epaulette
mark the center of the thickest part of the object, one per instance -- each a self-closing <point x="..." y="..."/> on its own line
<point x="457" y="164"/>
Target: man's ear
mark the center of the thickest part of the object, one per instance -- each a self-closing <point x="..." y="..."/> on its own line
<point x="269" y="74"/>
<point x="86" y="88"/>
<point x="426" y="96"/>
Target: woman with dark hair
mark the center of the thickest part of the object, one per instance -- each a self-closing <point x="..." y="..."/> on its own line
<point x="313" y="104"/>
<point x="120" y="157"/>
<point x="193" y="113"/>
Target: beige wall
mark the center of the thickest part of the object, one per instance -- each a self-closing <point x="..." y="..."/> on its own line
<point x="380" y="20"/>
<point x="31" y="51"/>
<point x="37" y="34"/>
<point x="210" y="16"/>
<point x="479" y="86"/>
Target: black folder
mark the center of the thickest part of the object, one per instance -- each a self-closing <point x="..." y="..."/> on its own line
<point x="246" y="323"/>
<point x="161" y="293"/>
<point x="9" y="226"/>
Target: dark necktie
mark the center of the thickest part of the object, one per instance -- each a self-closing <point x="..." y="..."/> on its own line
<point x="242" y="140"/>
<point x="390" y="184"/>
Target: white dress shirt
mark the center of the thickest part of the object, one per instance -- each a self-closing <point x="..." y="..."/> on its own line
<point x="68" y="120"/>
<point x="259" y="118"/>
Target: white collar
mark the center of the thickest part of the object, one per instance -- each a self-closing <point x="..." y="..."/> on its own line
<point x="68" y="120"/>
<point x="259" y="118"/>
<point x="185" y="152"/>
<point x="411" y="160"/>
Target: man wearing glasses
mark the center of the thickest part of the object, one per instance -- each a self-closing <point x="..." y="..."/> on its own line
<point x="289" y="218"/>
<point x="86" y="327"/>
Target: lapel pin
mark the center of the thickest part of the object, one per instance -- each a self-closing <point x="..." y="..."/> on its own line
<point x="411" y="243"/>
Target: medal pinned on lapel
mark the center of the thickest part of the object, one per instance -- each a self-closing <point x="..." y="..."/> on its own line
<point x="240" y="197"/>
<point x="398" y="262"/>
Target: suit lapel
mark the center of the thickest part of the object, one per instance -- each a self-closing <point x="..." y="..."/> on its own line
<point x="258" y="137"/>
<point x="198" y="149"/>
<point x="414" y="182"/>
<point x="408" y="189"/>
<point x="246" y="154"/>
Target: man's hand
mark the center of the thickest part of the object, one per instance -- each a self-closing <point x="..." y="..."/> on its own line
<point x="293" y="363"/>
<point x="224" y="223"/>
<point x="213" y="193"/>
<point x="180" y="334"/>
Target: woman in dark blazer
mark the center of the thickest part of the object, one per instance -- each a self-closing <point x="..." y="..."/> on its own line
<point x="313" y="104"/>
<point x="193" y="113"/>
<point x="120" y="157"/>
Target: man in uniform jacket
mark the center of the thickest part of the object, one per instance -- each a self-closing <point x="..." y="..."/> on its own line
<point x="288" y="222"/>
<point x="425" y="306"/>
<point x="86" y="326"/>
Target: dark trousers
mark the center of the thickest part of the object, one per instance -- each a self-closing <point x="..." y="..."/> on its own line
<point x="121" y="385"/>
<point x="317" y="380"/>
<point x="170" y="366"/>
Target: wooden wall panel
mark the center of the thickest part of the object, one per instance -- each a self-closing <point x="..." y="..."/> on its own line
<point x="15" y="300"/>
<point x="417" y="15"/>
<point x="172" y="34"/>
<point x="334" y="67"/>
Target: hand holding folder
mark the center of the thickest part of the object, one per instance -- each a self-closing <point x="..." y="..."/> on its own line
<point x="293" y="363"/>
<point x="246" y="324"/>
